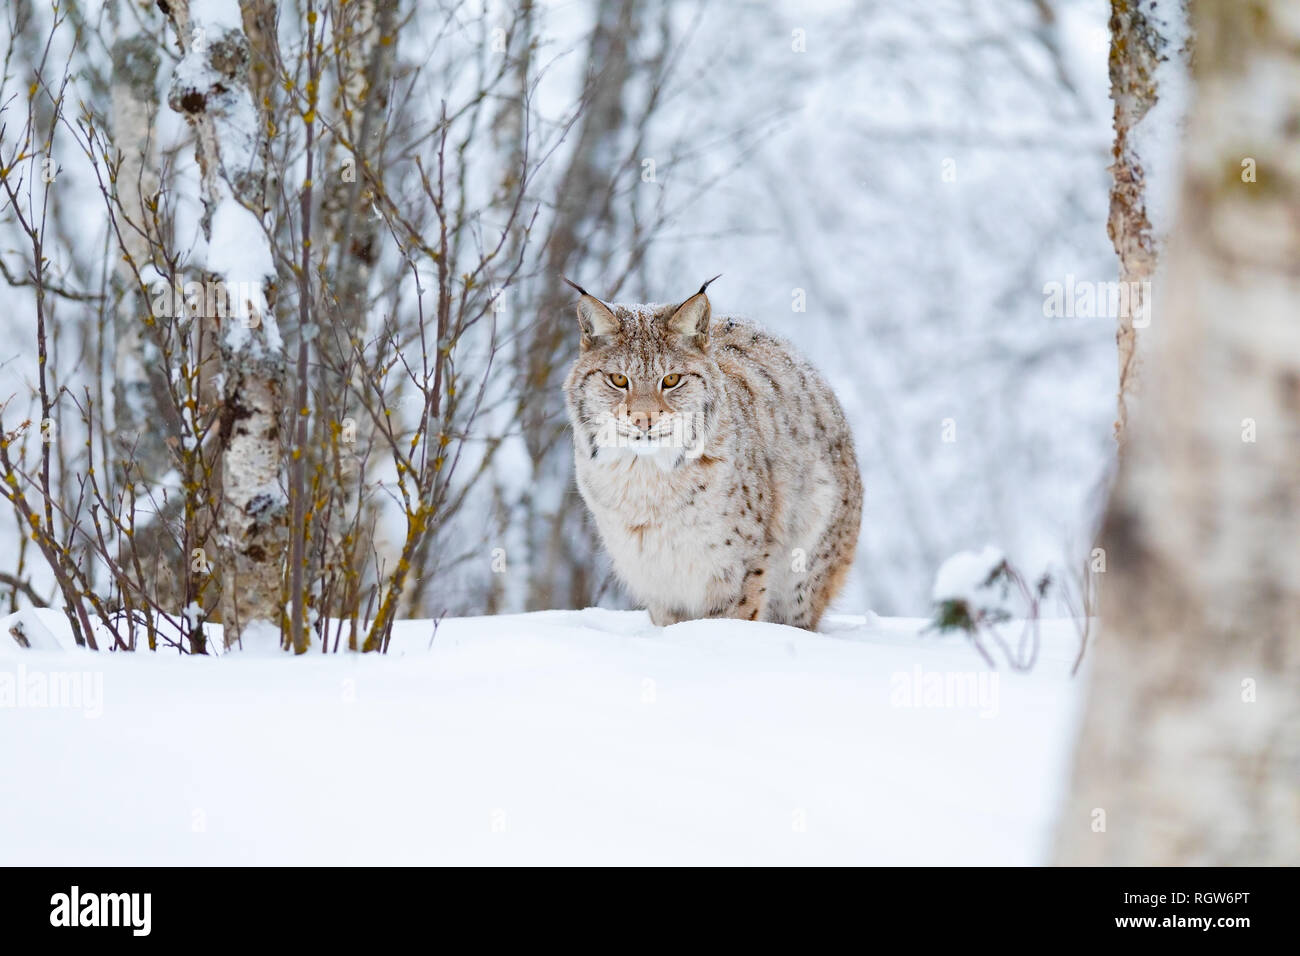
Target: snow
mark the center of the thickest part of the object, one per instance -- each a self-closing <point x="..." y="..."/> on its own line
<point x="237" y="249"/>
<point x="26" y="626"/>
<point x="216" y="13"/>
<point x="555" y="737"/>
<point x="240" y="253"/>
<point x="962" y="577"/>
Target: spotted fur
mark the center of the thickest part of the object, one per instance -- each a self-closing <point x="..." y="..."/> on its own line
<point x="734" y="493"/>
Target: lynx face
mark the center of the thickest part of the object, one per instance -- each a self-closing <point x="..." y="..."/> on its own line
<point x="644" y="382"/>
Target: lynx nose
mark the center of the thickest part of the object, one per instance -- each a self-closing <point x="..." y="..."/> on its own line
<point x="643" y="420"/>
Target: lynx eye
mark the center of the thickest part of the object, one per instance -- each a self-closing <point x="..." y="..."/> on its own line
<point x="672" y="381"/>
<point x="618" y="380"/>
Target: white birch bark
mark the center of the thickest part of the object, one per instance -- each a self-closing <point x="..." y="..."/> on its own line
<point x="1191" y="737"/>
<point x="211" y="86"/>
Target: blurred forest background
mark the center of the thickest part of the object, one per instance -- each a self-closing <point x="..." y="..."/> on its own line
<point x="889" y="185"/>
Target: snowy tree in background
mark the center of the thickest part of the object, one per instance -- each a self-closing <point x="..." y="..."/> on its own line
<point x="302" y="323"/>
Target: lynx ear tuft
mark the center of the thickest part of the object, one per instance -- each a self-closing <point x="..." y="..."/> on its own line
<point x="692" y="317"/>
<point x="595" y="318"/>
<point x="574" y="285"/>
<point x="709" y="283"/>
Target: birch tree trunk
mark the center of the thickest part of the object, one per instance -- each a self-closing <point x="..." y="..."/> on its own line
<point x="144" y="416"/>
<point x="139" y="390"/>
<point x="509" y="133"/>
<point x="560" y="564"/>
<point x="211" y="87"/>
<point x="1191" y="736"/>
<point x="1138" y="43"/>
<point x="367" y="50"/>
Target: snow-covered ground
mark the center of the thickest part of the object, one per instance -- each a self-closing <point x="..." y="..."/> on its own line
<point x="558" y="737"/>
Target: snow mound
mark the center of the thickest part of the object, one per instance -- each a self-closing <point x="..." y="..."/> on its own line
<point x="966" y="575"/>
<point x="26" y="630"/>
<point x="561" y="737"/>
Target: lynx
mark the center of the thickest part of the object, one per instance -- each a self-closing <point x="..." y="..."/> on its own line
<point x="716" y="462"/>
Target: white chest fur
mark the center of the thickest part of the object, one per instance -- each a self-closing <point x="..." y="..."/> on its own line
<point x="658" y="525"/>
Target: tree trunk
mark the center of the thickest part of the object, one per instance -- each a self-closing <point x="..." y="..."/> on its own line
<point x="559" y="561"/>
<point x="1191" y="735"/>
<point x="139" y="385"/>
<point x="144" y="415"/>
<point x="1138" y="43"/>
<point x="367" y="50"/>
<point x="509" y="137"/>
<point x="212" y="88"/>
<point x="366" y="45"/>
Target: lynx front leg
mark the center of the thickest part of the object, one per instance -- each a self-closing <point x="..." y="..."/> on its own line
<point x="663" y="616"/>
<point x="748" y="604"/>
<point x="751" y="603"/>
